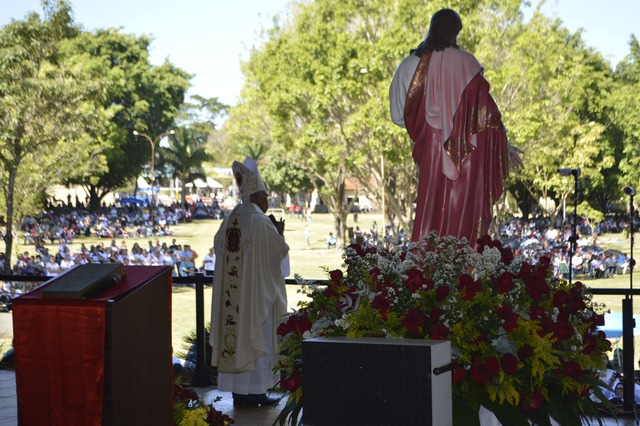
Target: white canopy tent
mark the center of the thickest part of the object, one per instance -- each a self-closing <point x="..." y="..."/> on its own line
<point x="199" y="183"/>
<point x="142" y="183"/>
<point x="214" y="183"/>
<point x="210" y="183"/>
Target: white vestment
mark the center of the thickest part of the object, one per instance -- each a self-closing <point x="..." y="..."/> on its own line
<point x="248" y="346"/>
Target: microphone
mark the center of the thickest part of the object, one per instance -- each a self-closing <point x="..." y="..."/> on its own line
<point x="569" y="172"/>
<point x="630" y="191"/>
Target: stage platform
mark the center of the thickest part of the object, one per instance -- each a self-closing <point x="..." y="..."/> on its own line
<point x="261" y="416"/>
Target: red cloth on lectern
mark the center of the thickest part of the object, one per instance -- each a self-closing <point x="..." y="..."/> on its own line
<point x="59" y="349"/>
<point x="458" y="207"/>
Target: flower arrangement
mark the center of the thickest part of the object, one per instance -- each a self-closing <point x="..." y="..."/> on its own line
<point x="525" y="345"/>
<point x="190" y="410"/>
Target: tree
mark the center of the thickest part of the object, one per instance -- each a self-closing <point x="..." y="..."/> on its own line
<point x="623" y="106"/>
<point x="186" y="154"/>
<point x="51" y="114"/>
<point x="549" y="86"/>
<point x="147" y="99"/>
<point x="322" y="81"/>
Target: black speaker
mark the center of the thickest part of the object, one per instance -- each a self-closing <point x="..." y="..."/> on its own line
<point x="375" y="381"/>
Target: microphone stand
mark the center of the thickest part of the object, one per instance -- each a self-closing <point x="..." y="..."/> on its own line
<point x="573" y="240"/>
<point x="628" y="324"/>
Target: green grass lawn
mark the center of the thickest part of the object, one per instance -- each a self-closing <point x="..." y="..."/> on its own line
<point x="307" y="260"/>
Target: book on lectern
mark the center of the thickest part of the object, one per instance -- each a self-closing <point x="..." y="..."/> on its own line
<point x="84" y="281"/>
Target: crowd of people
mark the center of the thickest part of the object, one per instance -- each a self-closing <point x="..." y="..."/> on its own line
<point x="539" y="236"/>
<point x="531" y="238"/>
<point x="542" y="237"/>
<point x="64" y="223"/>
<point x="182" y="258"/>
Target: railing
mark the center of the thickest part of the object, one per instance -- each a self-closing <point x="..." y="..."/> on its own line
<point x="202" y="379"/>
<point x="200" y="376"/>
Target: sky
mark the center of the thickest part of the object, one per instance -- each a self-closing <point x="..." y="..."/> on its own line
<point x="209" y="38"/>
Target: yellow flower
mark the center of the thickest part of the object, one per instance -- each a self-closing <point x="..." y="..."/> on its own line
<point x="196" y="417"/>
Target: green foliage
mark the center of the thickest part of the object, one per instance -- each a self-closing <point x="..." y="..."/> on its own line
<point x="593" y="215"/>
<point x="317" y="91"/>
<point x="624" y="107"/>
<point x="51" y="112"/>
<point x="285" y="177"/>
<point x="186" y="155"/>
<point x="146" y="98"/>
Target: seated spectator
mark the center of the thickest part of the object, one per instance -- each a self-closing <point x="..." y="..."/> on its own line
<point x="331" y="240"/>
<point x="610" y="263"/>
<point x="187" y="268"/>
<point x="598" y="267"/>
<point x="616" y="397"/>
<point x="52" y="268"/>
<point x="622" y="264"/>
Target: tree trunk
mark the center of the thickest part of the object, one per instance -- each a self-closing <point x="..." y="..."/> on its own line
<point x="183" y="186"/>
<point x="95" y="197"/>
<point x="8" y="238"/>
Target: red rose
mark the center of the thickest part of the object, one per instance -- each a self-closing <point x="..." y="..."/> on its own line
<point x="479" y="375"/>
<point x="375" y="273"/>
<point x="525" y="352"/>
<point x="429" y="283"/>
<point x="458" y="374"/>
<point x="572" y="369"/>
<point x="493" y="366"/>
<point x="358" y="249"/>
<point x="412" y="322"/>
<point x="511" y="323"/>
<point x="506" y="256"/>
<point x="464" y="281"/>
<point x="291" y="383"/>
<point x="536" y="288"/>
<point x="283" y="329"/>
<point x="537" y="312"/>
<point x="304" y="324"/>
<point x="505" y="283"/>
<point x="484" y="241"/>
<point x="546" y="326"/>
<point x="439" y="331"/>
<point x="544" y="262"/>
<point x="442" y="291"/>
<point x="532" y="402"/>
<point x="470" y="288"/>
<point x="509" y="363"/>
<point x="561" y="298"/>
<point x="434" y="315"/>
<point x="563" y="330"/>
<point x="381" y="304"/>
<point x="589" y="345"/>
<point x="336" y="275"/>
<point x="483" y="372"/>
<point x="414" y="280"/>
<point x="504" y="311"/>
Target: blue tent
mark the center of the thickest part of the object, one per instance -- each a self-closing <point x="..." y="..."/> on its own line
<point x="130" y="200"/>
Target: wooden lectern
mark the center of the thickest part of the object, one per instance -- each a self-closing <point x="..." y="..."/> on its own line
<point x="99" y="361"/>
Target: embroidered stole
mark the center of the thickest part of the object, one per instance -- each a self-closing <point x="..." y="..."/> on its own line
<point x="230" y="310"/>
